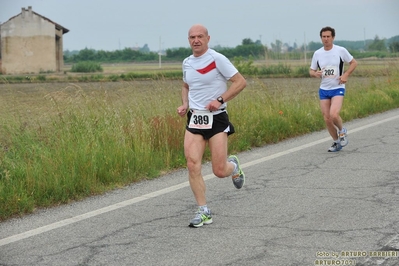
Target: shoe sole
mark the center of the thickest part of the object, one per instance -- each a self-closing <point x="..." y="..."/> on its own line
<point x="335" y="150"/>
<point x="201" y="224"/>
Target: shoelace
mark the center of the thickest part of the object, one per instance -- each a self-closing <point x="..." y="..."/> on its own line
<point x="199" y="214"/>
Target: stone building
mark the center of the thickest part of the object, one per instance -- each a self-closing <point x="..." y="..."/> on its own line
<point x="31" y="43"/>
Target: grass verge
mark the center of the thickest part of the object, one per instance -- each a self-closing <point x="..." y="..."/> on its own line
<point x="60" y="145"/>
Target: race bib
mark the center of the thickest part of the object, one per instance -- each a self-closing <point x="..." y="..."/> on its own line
<point x="330" y="72"/>
<point x="201" y="119"/>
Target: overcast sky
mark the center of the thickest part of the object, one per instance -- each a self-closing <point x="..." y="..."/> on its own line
<point x="116" y="24"/>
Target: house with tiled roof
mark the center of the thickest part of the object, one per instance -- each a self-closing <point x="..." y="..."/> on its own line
<point x="31" y="43"/>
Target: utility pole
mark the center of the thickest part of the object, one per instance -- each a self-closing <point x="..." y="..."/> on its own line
<point x="160" y="53"/>
<point x="304" y="45"/>
<point x="364" y="37"/>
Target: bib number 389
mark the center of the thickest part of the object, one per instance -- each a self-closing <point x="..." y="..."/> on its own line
<point x="201" y="119"/>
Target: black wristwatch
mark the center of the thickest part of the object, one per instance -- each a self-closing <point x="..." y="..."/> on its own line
<point x="220" y="99"/>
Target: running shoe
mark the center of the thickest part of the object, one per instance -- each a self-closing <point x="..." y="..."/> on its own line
<point x="238" y="176"/>
<point x="336" y="146"/>
<point x="201" y="218"/>
<point x="342" y="137"/>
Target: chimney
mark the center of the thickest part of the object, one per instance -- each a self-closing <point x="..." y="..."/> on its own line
<point x="26" y="10"/>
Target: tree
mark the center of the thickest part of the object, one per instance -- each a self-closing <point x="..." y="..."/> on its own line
<point x="247" y="41"/>
<point x="377" y="45"/>
<point x="313" y="46"/>
<point x="145" y="49"/>
<point x="86" y="55"/>
<point x="394" y="47"/>
<point x="178" y="53"/>
<point x="276" y="47"/>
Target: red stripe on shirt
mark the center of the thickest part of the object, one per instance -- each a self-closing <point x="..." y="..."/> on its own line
<point x="208" y="68"/>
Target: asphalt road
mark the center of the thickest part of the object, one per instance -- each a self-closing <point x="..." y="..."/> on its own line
<point x="300" y="206"/>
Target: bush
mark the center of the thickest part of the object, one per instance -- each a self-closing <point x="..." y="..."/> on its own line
<point x="275" y="70"/>
<point x="41" y="77"/>
<point x="302" y="71"/>
<point x="86" y="67"/>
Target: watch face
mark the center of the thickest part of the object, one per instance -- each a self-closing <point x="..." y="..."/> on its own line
<point x="220" y="99"/>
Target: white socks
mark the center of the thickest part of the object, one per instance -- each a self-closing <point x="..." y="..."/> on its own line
<point x="204" y="208"/>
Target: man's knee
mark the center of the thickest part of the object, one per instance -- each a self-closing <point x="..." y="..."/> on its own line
<point x="334" y="116"/>
<point x="219" y="171"/>
<point x="193" y="166"/>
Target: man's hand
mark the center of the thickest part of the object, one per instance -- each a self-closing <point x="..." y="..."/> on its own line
<point x="343" y="79"/>
<point x="316" y="74"/>
<point x="213" y="106"/>
<point x="182" y="110"/>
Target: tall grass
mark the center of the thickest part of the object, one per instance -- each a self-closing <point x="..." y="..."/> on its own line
<point x="84" y="144"/>
<point x="60" y="145"/>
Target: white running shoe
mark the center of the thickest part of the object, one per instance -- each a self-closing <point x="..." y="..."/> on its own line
<point x="343" y="137"/>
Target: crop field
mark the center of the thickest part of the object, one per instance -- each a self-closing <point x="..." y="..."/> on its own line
<point x="118" y="68"/>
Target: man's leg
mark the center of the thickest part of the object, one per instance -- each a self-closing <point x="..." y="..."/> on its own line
<point x="325" y="106"/>
<point x="218" y="146"/>
<point x="336" y="105"/>
<point x="335" y="109"/>
<point x="194" y="147"/>
<point x="223" y="166"/>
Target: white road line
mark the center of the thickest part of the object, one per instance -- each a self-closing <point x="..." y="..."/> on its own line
<point x="122" y="204"/>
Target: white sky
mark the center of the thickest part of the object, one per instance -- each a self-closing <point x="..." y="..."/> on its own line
<point x="110" y="25"/>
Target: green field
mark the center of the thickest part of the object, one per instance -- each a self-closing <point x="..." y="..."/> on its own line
<point x="63" y="141"/>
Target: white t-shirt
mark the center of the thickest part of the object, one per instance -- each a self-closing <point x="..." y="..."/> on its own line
<point x="331" y="63"/>
<point x="207" y="77"/>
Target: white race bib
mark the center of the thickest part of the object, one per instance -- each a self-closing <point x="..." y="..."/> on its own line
<point x="201" y="119"/>
<point x="330" y="72"/>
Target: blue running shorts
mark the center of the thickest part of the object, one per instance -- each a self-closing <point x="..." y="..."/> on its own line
<point x="328" y="94"/>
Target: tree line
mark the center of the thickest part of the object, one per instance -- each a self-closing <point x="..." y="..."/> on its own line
<point x="247" y="49"/>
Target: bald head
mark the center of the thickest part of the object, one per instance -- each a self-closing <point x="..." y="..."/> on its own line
<point x="198" y="28"/>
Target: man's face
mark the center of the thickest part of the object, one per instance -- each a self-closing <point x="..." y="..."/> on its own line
<point x="327" y="38"/>
<point x="198" y="39"/>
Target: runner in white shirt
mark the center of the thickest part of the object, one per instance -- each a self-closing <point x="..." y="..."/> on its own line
<point x="328" y="64"/>
<point x="204" y="101"/>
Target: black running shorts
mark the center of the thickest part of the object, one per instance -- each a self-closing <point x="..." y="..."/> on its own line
<point x="220" y="124"/>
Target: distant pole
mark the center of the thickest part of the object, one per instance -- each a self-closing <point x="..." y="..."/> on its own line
<point x="364" y="37"/>
<point x="304" y="45"/>
<point x="160" y="51"/>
